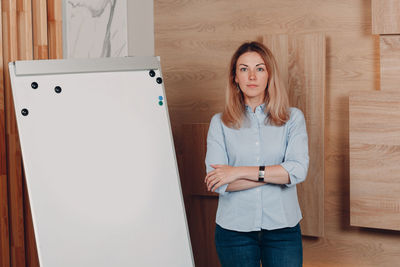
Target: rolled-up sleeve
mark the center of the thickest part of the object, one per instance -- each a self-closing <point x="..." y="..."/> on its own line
<point x="296" y="156"/>
<point x="216" y="150"/>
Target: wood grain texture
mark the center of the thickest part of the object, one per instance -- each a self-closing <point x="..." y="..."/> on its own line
<point x="301" y="60"/>
<point x="194" y="153"/>
<point x="385" y="16"/>
<point x="307" y="92"/>
<point x="390" y="58"/>
<point x="4" y="227"/>
<point x="202" y="228"/>
<point x="39" y="19"/>
<point x="200" y="204"/>
<point x="11" y="52"/>
<point x="374" y="158"/>
<point x="24" y="29"/>
<point x="196" y="39"/>
<point x="54" y="31"/>
<point x="279" y="46"/>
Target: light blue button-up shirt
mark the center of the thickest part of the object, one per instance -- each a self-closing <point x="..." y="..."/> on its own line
<point x="270" y="206"/>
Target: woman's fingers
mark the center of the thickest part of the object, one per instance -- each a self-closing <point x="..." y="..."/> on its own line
<point x="211" y="186"/>
<point x="216" y="186"/>
<point x="216" y="166"/>
<point x="213" y="180"/>
<point x="208" y="175"/>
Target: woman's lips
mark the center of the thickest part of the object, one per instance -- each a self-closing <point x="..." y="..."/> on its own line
<point x="252" y="85"/>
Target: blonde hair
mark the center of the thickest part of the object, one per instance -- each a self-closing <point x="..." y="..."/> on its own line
<point x="276" y="98"/>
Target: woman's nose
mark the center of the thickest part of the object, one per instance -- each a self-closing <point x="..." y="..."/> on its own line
<point x="252" y="75"/>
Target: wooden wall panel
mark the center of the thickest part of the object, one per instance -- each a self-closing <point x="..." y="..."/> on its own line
<point x="301" y="60"/>
<point x="201" y="205"/>
<point x="279" y="46"/>
<point x="194" y="151"/>
<point x="202" y="228"/>
<point x="4" y="228"/>
<point x="54" y="22"/>
<point x="374" y="160"/>
<point x="390" y="58"/>
<point x="385" y="16"/>
<point x="307" y="92"/>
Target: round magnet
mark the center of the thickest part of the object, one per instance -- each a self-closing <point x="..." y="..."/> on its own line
<point x="160" y="97"/>
<point x="34" y="85"/>
<point x="160" y="103"/>
<point x="159" y="80"/>
<point x="152" y="73"/>
<point x="24" y="112"/>
<point x="57" y="89"/>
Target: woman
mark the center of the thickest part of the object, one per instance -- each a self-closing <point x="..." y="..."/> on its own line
<point x="257" y="151"/>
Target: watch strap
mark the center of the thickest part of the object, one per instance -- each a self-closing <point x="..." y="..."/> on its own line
<point x="261" y="173"/>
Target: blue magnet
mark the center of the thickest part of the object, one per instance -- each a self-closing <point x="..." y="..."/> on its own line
<point x="160" y="97"/>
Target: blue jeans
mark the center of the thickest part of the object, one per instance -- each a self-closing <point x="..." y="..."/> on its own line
<point x="280" y="247"/>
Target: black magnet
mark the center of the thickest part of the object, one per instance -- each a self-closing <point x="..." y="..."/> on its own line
<point x="159" y="80"/>
<point x="152" y="73"/>
<point x="24" y="112"/>
<point x="34" y="85"/>
<point x="57" y="89"/>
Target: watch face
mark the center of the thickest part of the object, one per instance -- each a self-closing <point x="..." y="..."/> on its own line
<point x="261" y="174"/>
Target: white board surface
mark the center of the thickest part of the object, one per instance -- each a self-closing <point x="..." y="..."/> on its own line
<point x="100" y="165"/>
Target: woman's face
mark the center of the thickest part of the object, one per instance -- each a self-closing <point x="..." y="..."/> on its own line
<point x="252" y="77"/>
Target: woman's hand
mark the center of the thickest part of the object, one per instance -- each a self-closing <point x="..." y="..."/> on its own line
<point x="222" y="174"/>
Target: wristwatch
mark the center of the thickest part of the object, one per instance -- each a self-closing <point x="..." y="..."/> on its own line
<point x="261" y="173"/>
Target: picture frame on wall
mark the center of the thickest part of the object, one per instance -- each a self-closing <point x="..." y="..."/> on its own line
<point x="95" y="28"/>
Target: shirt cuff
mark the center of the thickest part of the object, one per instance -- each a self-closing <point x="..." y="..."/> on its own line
<point x="290" y="167"/>
<point x="222" y="190"/>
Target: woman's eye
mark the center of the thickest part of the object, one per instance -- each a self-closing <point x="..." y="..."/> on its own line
<point x="260" y="69"/>
<point x="243" y="69"/>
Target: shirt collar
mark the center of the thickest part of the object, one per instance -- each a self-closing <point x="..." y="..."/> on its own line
<point x="259" y="109"/>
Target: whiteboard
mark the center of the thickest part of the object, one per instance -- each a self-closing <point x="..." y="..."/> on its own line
<point x="100" y="163"/>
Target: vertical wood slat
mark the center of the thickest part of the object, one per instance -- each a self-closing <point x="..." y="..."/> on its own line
<point x="24" y="29"/>
<point x="385" y="16"/>
<point x="389" y="59"/>
<point x="40" y="42"/>
<point x="54" y="22"/>
<point x="4" y="228"/>
<point x="16" y="216"/>
<point x="301" y="62"/>
<point x="307" y="92"/>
